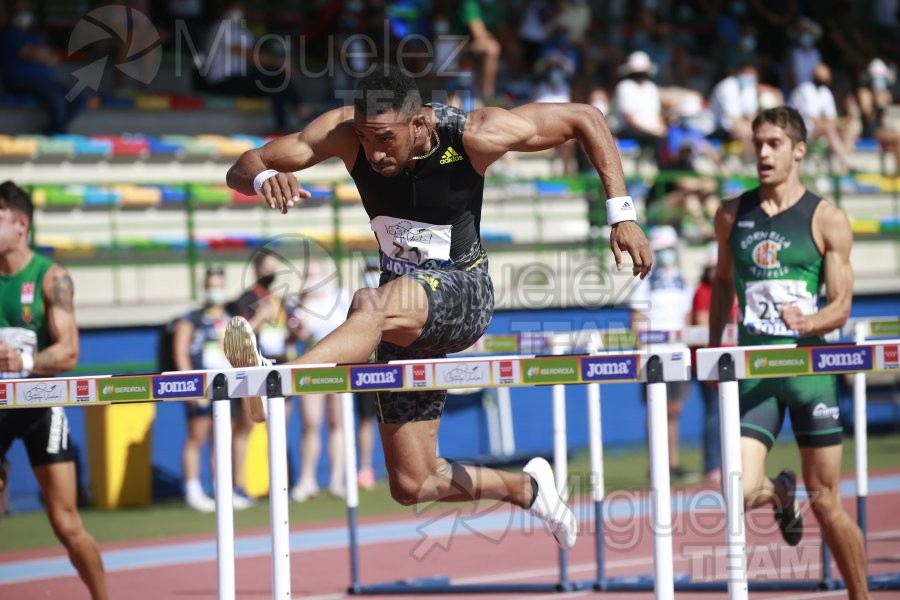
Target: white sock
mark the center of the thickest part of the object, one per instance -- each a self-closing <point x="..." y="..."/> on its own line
<point x="193" y="488"/>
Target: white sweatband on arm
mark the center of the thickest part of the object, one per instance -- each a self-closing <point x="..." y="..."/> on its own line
<point x="620" y="208"/>
<point x="27" y="362"/>
<point x="260" y="179"/>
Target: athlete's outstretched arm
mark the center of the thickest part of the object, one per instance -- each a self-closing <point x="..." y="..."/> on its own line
<point x="492" y="132"/>
<point x="324" y="138"/>
<point x="837" y="240"/>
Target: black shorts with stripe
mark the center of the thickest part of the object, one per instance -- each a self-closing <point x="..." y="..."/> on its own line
<point x="45" y="432"/>
<point x="460" y="307"/>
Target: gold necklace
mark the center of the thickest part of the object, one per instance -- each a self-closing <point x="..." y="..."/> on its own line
<point x="437" y="144"/>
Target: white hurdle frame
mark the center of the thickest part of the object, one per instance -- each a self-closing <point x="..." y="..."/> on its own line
<point x="728" y="365"/>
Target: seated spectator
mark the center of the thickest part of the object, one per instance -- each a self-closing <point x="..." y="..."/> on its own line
<point x="690" y="201"/>
<point x="477" y="18"/>
<point x="637" y="103"/>
<point x="27" y="64"/>
<point x="803" y="55"/>
<point x="237" y="68"/>
<point x="734" y="103"/>
<point x="555" y="85"/>
<point x="874" y="99"/>
<point x="815" y="102"/>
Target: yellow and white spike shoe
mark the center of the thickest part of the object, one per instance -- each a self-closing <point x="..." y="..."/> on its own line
<point x="241" y="351"/>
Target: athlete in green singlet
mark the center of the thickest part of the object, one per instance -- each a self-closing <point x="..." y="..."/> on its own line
<point x="39" y="336"/>
<point x="778" y="244"/>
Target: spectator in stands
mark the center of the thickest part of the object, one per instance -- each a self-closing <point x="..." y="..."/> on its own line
<point x="742" y="52"/>
<point x="690" y="201"/>
<point x="772" y="19"/>
<point x="27" y="64"/>
<point x="662" y="302"/>
<point x="846" y="49"/>
<point x="815" y="102"/>
<point x="874" y="99"/>
<point x="734" y="103"/>
<point x="238" y="67"/>
<point x="323" y="307"/>
<point x="534" y="31"/>
<point x="637" y="103"/>
<point x="803" y="55"/>
<point x="555" y="73"/>
<point x="268" y="315"/>
<point x="478" y="19"/>
<point x="197" y="344"/>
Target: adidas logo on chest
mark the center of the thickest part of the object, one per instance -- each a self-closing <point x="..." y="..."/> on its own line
<point x="450" y="156"/>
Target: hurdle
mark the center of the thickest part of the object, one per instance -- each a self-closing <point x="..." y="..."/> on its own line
<point x="729" y="365"/>
<point x="655" y="368"/>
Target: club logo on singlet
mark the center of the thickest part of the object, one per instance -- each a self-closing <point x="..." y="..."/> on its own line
<point x="765" y="249"/>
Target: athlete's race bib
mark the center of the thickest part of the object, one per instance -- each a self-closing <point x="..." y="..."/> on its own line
<point x="407" y="245"/>
<point x="766" y="299"/>
<point x="23" y="340"/>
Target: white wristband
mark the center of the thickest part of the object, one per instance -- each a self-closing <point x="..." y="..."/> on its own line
<point x="620" y="208"/>
<point x="260" y="179"/>
<point x="27" y="362"/>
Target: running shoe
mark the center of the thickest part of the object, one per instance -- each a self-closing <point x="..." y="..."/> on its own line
<point x="240" y="500"/>
<point x="200" y="502"/>
<point x="549" y="506"/>
<point x="241" y="351"/>
<point x="790" y="521"/>
<point x="304" y="491"/>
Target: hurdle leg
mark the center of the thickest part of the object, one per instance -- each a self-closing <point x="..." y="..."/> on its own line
<point x="561" y="467"/>
<point x="730" y="430"/>
<point x="861" y="435"/>
<point x="224" y="500"/>
<point x="351" y="485"/>
<point x="278" y="490"/>
<point x="595" y="441"/>
<point x="660" y="486"/>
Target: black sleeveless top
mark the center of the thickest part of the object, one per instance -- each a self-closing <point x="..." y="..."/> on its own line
<point x="431" y="217"/>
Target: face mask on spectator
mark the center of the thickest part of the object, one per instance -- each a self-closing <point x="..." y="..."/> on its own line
<point x="235" y="16"/>
<point x="215" y="297"/>
<point x="806" y="39"/>
<point x="640" y="77"/>
<point x="23" y="20"/>
<point x="739" y="9"/>
<point x="879" y="83"/>
<point x="557" y="77"/>
<point x="441" y="27"/>
<point x="819" y="82"/>
<point x="266" y="281"/>
<point x="748" y="43"/>
<point x="746" y="80"/>
<point x="666" y="257"/>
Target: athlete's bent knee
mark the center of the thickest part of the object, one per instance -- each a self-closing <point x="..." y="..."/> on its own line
<point x="406" y="490"/>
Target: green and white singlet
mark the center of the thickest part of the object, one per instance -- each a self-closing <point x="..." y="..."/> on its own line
<point x="776" y="263"/>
